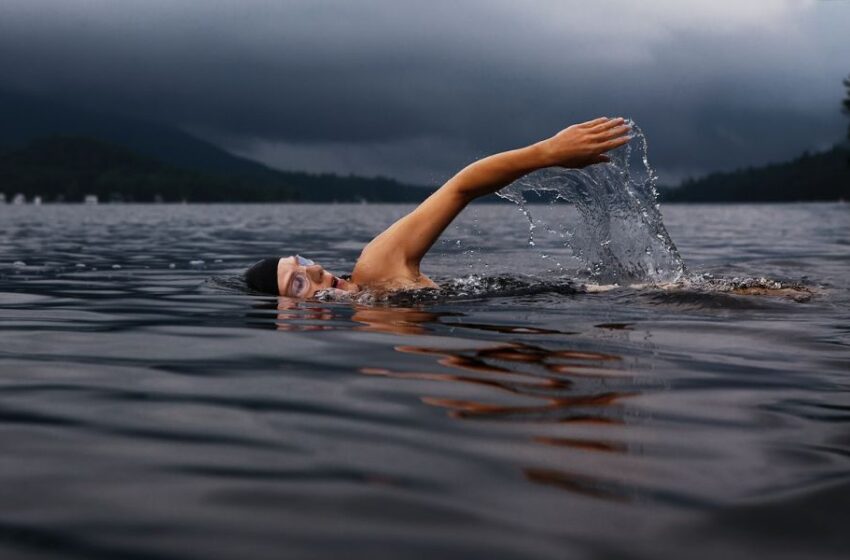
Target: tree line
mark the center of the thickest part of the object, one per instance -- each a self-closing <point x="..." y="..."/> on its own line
<point x="67" y="168"/>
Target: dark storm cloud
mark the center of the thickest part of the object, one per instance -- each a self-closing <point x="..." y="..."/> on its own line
<point x="414" y="91"/>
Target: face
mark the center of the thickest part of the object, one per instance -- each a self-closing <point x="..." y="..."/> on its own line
<point x="301" y="278"/>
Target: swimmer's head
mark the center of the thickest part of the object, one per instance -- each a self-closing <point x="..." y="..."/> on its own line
<point x="294" y="277"/>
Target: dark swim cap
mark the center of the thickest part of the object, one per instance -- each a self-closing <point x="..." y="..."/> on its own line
<point x="262" y="277"/>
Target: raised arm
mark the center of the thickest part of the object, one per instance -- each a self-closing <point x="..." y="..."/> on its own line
<point x="397" y="252"/>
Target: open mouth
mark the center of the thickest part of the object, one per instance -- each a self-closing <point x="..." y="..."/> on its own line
<point x="334" y="282"/>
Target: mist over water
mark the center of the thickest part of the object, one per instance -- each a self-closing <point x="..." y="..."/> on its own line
<point x="619" y="236"/>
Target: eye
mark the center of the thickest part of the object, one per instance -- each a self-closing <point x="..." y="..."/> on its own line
<point x="298" y="285"/>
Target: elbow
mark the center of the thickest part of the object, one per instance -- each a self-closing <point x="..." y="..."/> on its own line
<point x="458" y="191"/>
<point x="462" y="193"/>
<point x="464" y="187"/>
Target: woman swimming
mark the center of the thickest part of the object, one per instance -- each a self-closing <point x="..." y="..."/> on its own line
<point x="391" y="260"/>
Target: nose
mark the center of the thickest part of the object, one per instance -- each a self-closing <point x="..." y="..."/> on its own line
<point x="315" y="273"/>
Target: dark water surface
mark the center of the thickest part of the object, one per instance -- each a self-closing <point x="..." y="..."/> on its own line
<point x="150" y="409"/>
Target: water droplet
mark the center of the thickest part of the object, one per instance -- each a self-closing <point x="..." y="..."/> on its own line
<point x="620" y="234"/>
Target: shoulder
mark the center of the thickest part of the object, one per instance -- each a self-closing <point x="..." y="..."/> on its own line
<point x="387" y="271"/>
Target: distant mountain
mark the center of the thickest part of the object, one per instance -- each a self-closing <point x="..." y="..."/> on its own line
<point x="28" y="122"/>
<point x="69" y="168"/>
<point x="26" y="118"/>
<point x="810" y="177"/>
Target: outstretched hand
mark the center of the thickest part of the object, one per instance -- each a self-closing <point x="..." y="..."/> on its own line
<point x="584" y="144"/>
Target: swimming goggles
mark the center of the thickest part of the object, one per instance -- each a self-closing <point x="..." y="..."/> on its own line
<point x="304" y="262"/>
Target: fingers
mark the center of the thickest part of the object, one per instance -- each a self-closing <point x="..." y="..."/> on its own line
<point x="602" y="123"/>
<point x="612" y="132"/>
<point x="594" y="122"/>
<point x="615" y="143"/>
<point x="608" y="125"/>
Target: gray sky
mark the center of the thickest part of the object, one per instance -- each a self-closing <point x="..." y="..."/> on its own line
<point x="415" y="90"/>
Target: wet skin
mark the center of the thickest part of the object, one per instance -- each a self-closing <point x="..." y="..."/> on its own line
<point x="391" y="260"/>
<point x="304" y="281"/>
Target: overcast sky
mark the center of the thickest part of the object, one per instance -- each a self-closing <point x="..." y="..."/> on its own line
<point x="415" y="89"/>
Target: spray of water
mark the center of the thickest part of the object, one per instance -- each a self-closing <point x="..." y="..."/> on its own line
<point x="620" y="235"/>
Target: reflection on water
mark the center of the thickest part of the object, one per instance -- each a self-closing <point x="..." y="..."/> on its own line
<point x="396" y="320"/>
<point x="564" y="385"/>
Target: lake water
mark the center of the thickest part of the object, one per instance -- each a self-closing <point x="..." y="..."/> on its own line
<point x="149" y="408"/>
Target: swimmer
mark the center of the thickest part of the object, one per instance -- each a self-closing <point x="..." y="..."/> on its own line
<point x="391" y="260"/>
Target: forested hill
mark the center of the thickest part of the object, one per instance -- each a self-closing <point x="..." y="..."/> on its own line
<point x="131" y="159"/>
<point x="810" y="177"/>
<point x="68" y="168"/>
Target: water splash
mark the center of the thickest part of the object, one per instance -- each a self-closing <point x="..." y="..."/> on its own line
<point x="472" y="287"/>
<point x="620" y="235"/>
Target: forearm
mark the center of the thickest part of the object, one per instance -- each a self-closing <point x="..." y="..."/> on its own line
<point x="575" y="146"/>
<point x="421" y="228"/>
<point x="490" y="174"/>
